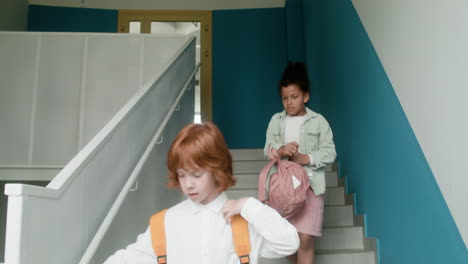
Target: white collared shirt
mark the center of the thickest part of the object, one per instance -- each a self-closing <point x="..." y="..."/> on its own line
<point x="292" y="128"/>
<point x="197" y="233"/>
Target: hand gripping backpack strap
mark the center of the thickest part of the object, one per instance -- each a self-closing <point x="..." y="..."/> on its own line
<point x="264" y="180"/>
<point x="158" y="236"/>
<point x="240" y="237"/>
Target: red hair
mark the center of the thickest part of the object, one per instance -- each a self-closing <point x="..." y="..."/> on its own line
<point x="201" y="146"/>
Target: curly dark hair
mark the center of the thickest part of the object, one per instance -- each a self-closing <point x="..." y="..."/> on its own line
<point x="295" y="73"/>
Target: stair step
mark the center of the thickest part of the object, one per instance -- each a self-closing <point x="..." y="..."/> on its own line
<point x="333" y="257"/>
<point x="341" y="215"/>
<point x="332" y="167"/>
<point x="255" y="166"/>
<point x="246" y="181"/>
<point x="252" y="166"/>
<point x="247" y="154"/>
<point x="250" y="180"/>
<point x="274" y="261"/>
<point x="340" y="238"/>
<point x="236" y="194"/>
<point x="331" y="179"/>
<point x="356" y="257"/>
<point x="333" y="196"/>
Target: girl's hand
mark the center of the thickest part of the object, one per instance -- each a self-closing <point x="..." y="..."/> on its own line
<point x="301" y="159"/>
<point x="233" y="207"/>
<point x="289" y="150"/>
<point x="273" y="154"/>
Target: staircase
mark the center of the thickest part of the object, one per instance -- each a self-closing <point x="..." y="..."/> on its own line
<point x="342" y="240"/>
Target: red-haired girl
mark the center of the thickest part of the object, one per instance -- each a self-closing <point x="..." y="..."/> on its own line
<point x="197" y="229"/>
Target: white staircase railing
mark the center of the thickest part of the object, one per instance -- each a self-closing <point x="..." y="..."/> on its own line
<point x="132" y="183"/>
<point x="57" y="223"/>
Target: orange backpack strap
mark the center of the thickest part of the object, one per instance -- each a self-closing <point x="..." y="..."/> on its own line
<point x="158" y="236"/>
<point x="240" y="237"/>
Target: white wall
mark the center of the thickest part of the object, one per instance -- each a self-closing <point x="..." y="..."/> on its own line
<point x="422" y="45"/>
<point x="13" y="15"/>
<point x="164" y="4"/>
<point x="58" y="90"/>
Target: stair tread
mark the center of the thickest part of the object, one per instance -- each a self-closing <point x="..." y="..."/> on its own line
<point x="342" y="251"/>
<point x="340" y="227"/>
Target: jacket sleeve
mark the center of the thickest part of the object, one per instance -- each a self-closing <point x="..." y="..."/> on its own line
<point x="279" y="236"/>
<point x="271" y="142"/>
<point x="326" y="153"/>
<point x="139" y="252"/>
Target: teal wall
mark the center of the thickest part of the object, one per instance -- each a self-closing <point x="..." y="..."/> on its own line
<point x="67" y="19"/>
<point x="249" y="54"/>
<point x="295" y="30"/>
<point x="378" y="151"/>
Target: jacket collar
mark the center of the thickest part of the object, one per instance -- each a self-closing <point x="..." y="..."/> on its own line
<point x="309" y="114"/>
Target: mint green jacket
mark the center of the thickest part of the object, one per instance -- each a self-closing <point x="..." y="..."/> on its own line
<point x="315" y="138"/>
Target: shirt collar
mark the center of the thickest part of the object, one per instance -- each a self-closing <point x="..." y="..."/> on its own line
<point x="214" y="206"/>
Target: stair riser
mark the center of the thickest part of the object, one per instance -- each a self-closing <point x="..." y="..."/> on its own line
<point x="247" y="154"/>
<point x="253" y="167"/>
<point x="335" y="196"/>
<point x="338" y="216"/>
<point x="340" y="239"/>
<point x="344" y="258"/>
<point x="355" y="258"/>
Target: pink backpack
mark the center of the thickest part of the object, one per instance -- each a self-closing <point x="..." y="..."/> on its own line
<point x="286" y="189"/>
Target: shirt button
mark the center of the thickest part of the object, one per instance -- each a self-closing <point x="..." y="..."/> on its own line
<point x="310" y="174"/>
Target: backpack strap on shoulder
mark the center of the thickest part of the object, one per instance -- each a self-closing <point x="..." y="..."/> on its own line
<point x="158" y="236"/>
<point x="240" y="238"/>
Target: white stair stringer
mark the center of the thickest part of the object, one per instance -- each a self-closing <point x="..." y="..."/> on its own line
<point x="343" y="240"/>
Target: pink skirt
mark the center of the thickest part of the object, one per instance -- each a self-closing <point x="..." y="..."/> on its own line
<point x="309" y="220"/>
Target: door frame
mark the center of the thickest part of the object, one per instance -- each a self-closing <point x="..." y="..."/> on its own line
<point x="205" y="19"/>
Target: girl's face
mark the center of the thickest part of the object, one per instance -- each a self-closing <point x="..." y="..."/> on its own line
<point x="198" y="185"/>
<point x="294" y="100"/>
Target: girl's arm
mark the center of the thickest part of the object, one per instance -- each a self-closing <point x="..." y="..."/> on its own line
<point x="272" y="132"/>
<point x="139" y="252"/>
<point x="280" y="237"/>
<point x="326" y="153"/>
